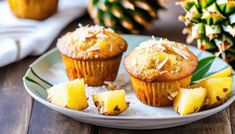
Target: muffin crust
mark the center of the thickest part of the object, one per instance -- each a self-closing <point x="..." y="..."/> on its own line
<point x="91" y="42"/>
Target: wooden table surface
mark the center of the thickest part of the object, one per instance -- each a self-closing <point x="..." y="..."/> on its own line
<point x="20" y="114"/>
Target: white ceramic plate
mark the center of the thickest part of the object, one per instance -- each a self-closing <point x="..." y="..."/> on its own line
<point x="138" y="116"/>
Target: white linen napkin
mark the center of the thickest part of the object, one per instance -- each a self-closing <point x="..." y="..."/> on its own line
<point x="21" y="37"/>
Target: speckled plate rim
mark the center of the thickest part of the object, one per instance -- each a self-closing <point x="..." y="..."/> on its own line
<point x="204" y="113"/>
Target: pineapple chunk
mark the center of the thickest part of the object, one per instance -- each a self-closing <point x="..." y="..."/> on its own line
<point x="103" y="45"/>
<point x="224" y="73"/>
<point x="57" y="94"/>
<point x="189" y="100"/>
<point x="110" y="102"/>
<point x="163" y="55"/>
<point x="217" y="90"/>
<point x="76" y="95"/>
<point x="71" y="95"/>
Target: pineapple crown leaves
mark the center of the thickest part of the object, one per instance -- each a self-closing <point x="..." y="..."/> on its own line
<point x="128" y="16"/>
<point x="212" y="24"/>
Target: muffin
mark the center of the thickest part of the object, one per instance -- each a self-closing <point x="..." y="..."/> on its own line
<point x="158" y="68"/>
<point x="93" y="53"/>
<point x="33" y="9"/>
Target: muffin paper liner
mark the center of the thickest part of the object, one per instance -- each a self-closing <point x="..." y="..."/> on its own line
<point x="158" y="93"/>
<point x="95" y="72"/>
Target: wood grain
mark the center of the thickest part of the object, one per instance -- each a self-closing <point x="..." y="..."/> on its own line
<point x="216" y="124"/>
<point x="15" y="103"/>
<point x="46" y="121"/>
<point x="232" y="116"/>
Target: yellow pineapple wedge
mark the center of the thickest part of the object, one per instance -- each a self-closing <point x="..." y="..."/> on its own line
<point x="70" y="94"/>
<point x="110" y="102"/>
<point x="57" y="95"/>
<point x="217" y="90"/>
<point x="189" y="100"/>
<point x="224" y="73"/>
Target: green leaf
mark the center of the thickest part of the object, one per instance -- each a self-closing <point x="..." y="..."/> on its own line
<point x="35" y="74"/>
<point x="33" y="81"/>
<point x="202" y="68"/>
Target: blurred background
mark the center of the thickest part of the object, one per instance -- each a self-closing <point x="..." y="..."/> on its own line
<point x="27" y="24"/>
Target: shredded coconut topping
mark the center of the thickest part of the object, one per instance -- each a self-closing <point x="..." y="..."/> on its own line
<point x="162" y="63"/>
<point x="151" y="44"/>
<point x="177" y="70"/>
<point x="84" y="32"/>
<point x="162" y="72"/>
<point x="180" y="52"/>
<point x="160" y="45"/>
<point x="154" y="45"/>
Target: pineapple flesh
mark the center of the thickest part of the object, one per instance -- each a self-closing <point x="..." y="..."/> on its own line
<point x="110" y="102"/>
<point x="189" y="100"/>
<point x="127" y="16"/>
<point x="218" y="86"/>
<point x="71" y="95"/>
<point x="212" y="24"/>
<point x="217" y="90"/>
<point x="224" y="73"/>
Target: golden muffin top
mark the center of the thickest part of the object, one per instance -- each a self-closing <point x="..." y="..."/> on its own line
<point x="160" y="60"/>
<point x="91" y="42"/>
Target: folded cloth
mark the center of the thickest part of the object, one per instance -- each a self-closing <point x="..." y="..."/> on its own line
<point x="21" y="37"/>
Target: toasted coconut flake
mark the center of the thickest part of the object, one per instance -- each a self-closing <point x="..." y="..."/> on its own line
<point x="173" y="95"/>
<point x="177" y="70"/>
<point x="162" y="63"/>
<point x="170" y="98"/>
<point x="157" y="60"/>
<point x="96" y="56"/>
<point x="162" y="72"/>
<point x="180" y="52"/>
<point x="111" y="85"/>
<point x="151" y="44"/>
<point x="84" y="32"/>
<point x="93" y="49"/>
<point x="101" y="35"/>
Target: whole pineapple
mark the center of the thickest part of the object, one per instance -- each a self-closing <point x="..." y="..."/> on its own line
<point x="126" y="16"/>
<point x="212" y="24"/>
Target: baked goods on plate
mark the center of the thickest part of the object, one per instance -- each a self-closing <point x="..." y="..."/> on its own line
<point x="93" y="53"/>
<point x="49" y="71"/>
<point x="158" y="69"/>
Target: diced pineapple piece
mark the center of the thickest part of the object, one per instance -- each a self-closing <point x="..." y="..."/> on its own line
<point x="217" y="90"/>
<point x="57" y="94"/>
<point x="76" y="95"/>
<point x="110" y="102"/>
<point x="103" y="45"/>
<point x="71" y="95"/>
<point x="224" y="73"/>
<point x="163" y="55"/>
<point x="189" y="100"/>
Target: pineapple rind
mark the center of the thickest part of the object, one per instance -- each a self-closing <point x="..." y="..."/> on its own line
<point x="126" y="16"/>
<point x="217" y="18"/>
<point x="217" y="90"/>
